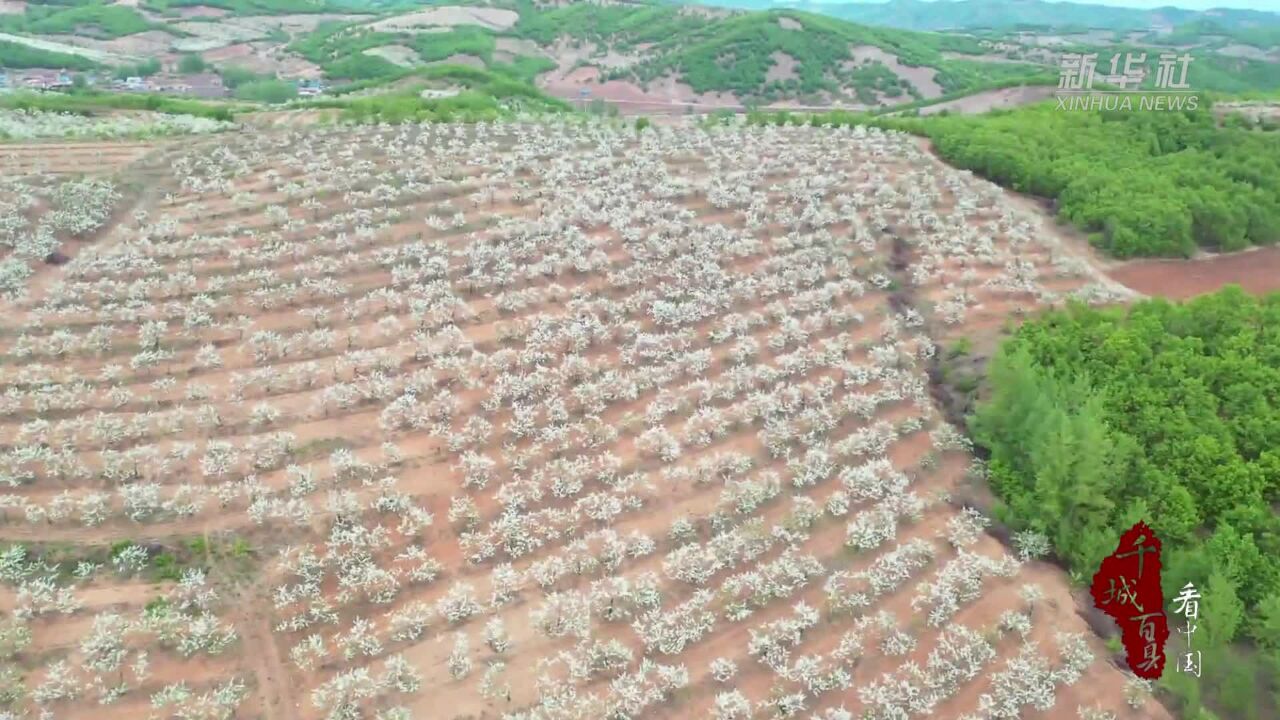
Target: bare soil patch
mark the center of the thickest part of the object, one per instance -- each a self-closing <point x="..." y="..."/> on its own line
<point x="450" y="16"/>
<point x="401" y="55"/>
<point x="1250" y="52"/>
<point x="631" y="97"/>
<point x="298" y="23"/>
<point x="991" y="100"/>
<point x="446" y="321"/>
<point x="1256" y="110"/>
<point x="782" y="69"/>
<point x="520" y="46"/>
<point x="138" y="45"/>
<point x="827" y="103"/>
<point x="921" y="77"/>
<point x="988" y="58"/>
<point x="288" y="118"/>
<point x="714" y="13"/>
<point x="204" y="36"/>
<point x="198" y="11"/>
<point x="1256" y="270"/>
<point x="263" y="58"/>
<point x="75" y="157"/>
<point x="63" y="47"/>
<point x="461" y="59"/>
<point x="237" y="51"/>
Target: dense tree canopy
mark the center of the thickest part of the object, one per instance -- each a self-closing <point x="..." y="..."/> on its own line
<point x="732" y="53"/>
<point x="1164" y="412"/>
<point x="90" y="19"/>
<point x="16" y="55"/>
<point x="191" y="63"/>
<point x="265" y="7"/>
<point x="145" y="68"/>
<point x="268" y="91"/>
<point x="1144" y="183"/>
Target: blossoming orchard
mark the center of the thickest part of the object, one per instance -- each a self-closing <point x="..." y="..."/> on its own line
<point x="530" y="420"/>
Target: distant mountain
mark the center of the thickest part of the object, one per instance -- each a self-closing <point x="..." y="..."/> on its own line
<point x="1011" y="14"/>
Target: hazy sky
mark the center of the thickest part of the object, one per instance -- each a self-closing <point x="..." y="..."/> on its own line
<point x="1270" y="5"/>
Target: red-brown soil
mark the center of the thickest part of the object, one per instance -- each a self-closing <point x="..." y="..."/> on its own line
<point x="765" y="296"/>
<point x="1257" y="271"/>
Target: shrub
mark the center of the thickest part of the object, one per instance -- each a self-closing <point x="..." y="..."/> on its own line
<point x="267" y="91"/>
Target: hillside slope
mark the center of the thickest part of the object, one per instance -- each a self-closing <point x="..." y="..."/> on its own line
<point x="641" y="55"/>
<point x="1004" y="14"/>
<point x="659" y="53"/>
<point x="642" y="52"/>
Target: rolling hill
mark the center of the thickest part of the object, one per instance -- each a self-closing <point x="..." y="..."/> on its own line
<point x="652" y="53"/>
<point x="644" y="52"/>
<point x="1012" y="14"/>
<point x="636" y="55"/>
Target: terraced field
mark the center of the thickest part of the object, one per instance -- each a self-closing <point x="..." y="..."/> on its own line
<point x="532" y="421"/>
<point x="71" y="158"/>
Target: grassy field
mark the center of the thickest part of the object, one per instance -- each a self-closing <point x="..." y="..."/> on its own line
<point x="88" y="102"/>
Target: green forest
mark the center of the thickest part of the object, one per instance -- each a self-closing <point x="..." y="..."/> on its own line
<point x="17" y="55"/>
<point x="339" y="49"/>
<point x="91" y="102"/>
<point x="1168" y="413"/>
<point x="486" y="95"/>
<point x="733" y="54"/>
<point x="1142" y="183"/>
<point x="96" y="19"/>
<point x="623" y="26"/>
<point x="266" y="7"/>
<point x="730" y="53"/>
<point x="723" y="54"/>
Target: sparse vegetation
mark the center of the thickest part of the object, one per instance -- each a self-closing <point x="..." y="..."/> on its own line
<point x="1142" y="183"/>
<point x="721" y="428"/>
<point x="459" y="406"/>
<point x="28" y="124"/>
